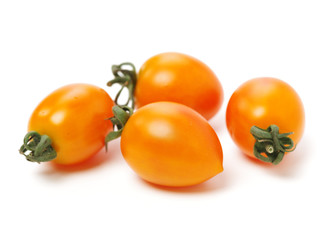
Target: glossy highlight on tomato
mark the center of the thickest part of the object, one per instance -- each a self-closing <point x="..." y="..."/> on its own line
<point x="265" y="102"/>
<point x="170" y="144"/>
<point x="74" y="117"/>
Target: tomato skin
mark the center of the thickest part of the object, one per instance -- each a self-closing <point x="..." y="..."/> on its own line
<point x="170" y="144"/>
<point x="179" y="78"/>
<point x="261" y="102"/>
<point x="74" y="117"/>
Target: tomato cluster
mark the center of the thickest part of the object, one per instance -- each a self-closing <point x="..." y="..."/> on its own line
<point x="165" y="135"/>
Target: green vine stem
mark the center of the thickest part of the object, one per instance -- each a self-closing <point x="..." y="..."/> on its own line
<point x="271" y="143"/>
<point x="126" y="79"/>
<point x="121" y="115"/>
<point x="37" y="148"/>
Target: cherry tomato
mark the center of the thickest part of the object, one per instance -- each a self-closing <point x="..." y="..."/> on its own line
<point x="170" y="144"/>
<point x="265" y="102"/>
<point x="179" y="78"/>
<point x="74" y="117"/>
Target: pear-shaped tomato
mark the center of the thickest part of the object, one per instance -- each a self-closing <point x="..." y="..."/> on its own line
<point x="69" y="126"/>
<point x="172" y="77"/>
<point x="171" y="144"/>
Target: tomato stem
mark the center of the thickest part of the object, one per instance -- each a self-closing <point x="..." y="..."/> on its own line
<point x="37" y="148"/>
<point x="126" y="79"/>
<point x="271" y="143"/>
<point x="121" y="116"/>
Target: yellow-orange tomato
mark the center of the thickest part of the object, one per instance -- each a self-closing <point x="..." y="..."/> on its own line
<point x="74" y="117"/>
<point x="172" y="145"/>
<point x="180" y="78"/>
<point x="262" y="102"/>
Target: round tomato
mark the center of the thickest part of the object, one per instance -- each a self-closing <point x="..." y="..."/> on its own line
<point x="172" y="145"/>
<point x="172" y="77"/>
<point x="265" y="118"/>
<point x="69" y="125"/>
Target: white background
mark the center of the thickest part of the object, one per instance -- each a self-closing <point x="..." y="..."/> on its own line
<point x="47" y="44"/>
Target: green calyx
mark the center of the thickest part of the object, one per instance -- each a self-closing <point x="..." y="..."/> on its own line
<point x="37" y="148"/>
<point x="271" y="143"/>
<point x="126" y="79"/>
<point x="121" y="115"/>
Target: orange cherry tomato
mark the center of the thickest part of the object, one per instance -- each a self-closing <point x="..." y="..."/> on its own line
<point x="74" y="117"/>
<point x="180" y="78"/>
<point x="264" y="102"/>
<point x="170" y="144"/>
